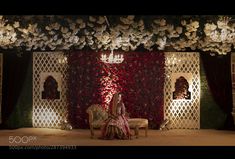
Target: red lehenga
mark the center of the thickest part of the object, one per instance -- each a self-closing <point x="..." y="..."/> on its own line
<point x="116" y="126"/>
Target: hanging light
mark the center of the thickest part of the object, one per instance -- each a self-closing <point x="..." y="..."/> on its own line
<point x="62" y="59"/>
<point x="118" y="58"/>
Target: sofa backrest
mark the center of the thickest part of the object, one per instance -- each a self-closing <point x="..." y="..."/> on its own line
<point x="97" y="113"/>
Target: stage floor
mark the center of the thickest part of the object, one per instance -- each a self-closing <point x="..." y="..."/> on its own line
<point x="81" y="137"/>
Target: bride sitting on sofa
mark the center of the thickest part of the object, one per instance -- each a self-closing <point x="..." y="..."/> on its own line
<point x="116" y="126"/>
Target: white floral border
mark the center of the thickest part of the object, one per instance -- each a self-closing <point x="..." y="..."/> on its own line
<point x="129" y="33"/>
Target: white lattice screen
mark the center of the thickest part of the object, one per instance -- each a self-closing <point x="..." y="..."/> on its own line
<point x="49" y="113"/>
<point x="183" y="113"/>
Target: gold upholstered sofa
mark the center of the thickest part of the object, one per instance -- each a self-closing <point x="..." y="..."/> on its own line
<point x="97" y="115"/>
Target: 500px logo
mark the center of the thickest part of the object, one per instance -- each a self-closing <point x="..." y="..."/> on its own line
<point x="21" y="139"/>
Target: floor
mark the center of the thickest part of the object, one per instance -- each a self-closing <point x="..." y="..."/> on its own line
<point x="81" y="137"/>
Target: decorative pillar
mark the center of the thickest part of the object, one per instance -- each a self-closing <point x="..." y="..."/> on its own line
<point x="183" y="113"/>
<point x="233" y="83"/>
<point x="1" y="73"/>
<point x="49" y="113"/>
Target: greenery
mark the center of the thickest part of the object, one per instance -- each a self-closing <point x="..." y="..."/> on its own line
<point x="22" y="113"/>
<point x="212" y="117"/>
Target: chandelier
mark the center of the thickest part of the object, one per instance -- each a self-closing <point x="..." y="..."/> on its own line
<point x="60" y="58"/>
<point x="112" y="58"/>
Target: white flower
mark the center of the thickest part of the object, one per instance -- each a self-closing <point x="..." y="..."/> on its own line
<point x="141" y="23"/>
<point x="210" y="27"/>
<point x="183" y="22"/>
<point x="75" y="31"/>
<point x="48" y="28"/>
<point x="124" y="27"/>
<point x="70" y="39"/>
<point x="162" y="28"/>
<point x="16" y="24"/>
<point x="133" y="47"/>
<point x="67" y="35"/>
<point x="162" y="33"/>
<point x="25" y="31"/>
<point x="126" y="20"/>
<point x="157" y="21"/>
<point x="51" y="33"/>
<point x="92" y="19"/>
<point x="179" y="30"/>
<point x="44" y="38"/>
<point x="90" y="25"/>
<point x="82" y="39"/>
<point x="98" y="35"/>
<point x="161" y="42"/>
<point x="195" y="24"/>
<point x="64" y="30"/>
<point x="55" y="26"/>
<point x="72" y="26"/>
<point x="125" y="48"/>
<point x="83" y="25"/>
<point x="59" y="42"/>
<point x="79" y="21"/>
<point x="52" y="47"/>
<point x="89" y="37"/>
<point x="55" y="37"/>
<point x="101" y="28"/>
<point x="101" y="20"/>
<point x="162" y="22"/>
<point x="170" y="28"/>
<point x="131" y="17"/>
<point x="41" y="35"/>
<point x="221" y="24"/>
<point x="13" y="39"/>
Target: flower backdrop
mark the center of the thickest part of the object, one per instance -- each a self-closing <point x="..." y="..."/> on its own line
<point x="140" y="78"/>
<point x="83" y="86"/>
<point x="207" y="33"/>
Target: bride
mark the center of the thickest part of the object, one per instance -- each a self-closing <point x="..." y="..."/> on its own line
<point x="116" y="126"/>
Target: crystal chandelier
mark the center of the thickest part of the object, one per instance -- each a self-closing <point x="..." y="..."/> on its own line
<point x="62" y="60"/>
<point x="112" y="58"/>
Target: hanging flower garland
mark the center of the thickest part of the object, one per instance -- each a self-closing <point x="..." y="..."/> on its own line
<point x="125" y="33"/>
